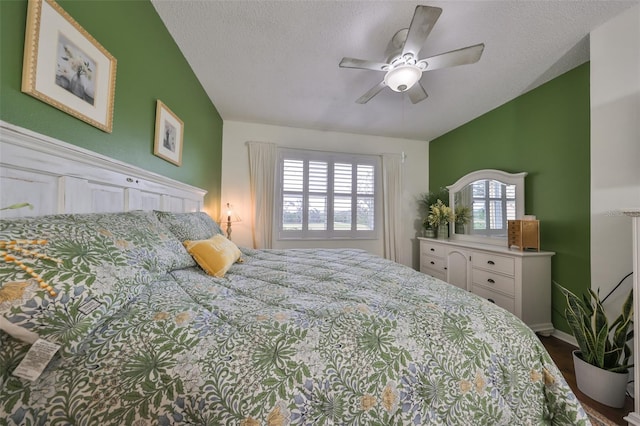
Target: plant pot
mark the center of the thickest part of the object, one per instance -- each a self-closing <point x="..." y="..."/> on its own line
<point x="429" y="233"/>
<point x="443" y="232"/>
<point x="604" y="386"/>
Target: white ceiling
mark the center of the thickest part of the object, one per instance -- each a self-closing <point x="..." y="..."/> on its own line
<point x="276" y="62"/>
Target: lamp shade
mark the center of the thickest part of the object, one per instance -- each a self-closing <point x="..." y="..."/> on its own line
<point x="228" y="215"/>
<point x="402" y="78"/>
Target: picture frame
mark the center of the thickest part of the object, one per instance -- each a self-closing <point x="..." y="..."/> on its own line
<point x="168" y="136"/>
<point x="65" y="67"/>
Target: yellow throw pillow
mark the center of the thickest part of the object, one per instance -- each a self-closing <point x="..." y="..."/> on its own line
<point x="215" y="255"/>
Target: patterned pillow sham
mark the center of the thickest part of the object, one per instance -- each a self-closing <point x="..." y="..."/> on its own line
<point x="105" y="260"/>
<point x="189" y="226"/>
<point x="147" y="242"/>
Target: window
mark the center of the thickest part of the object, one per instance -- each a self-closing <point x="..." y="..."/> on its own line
<point x="499" y="200"/>
<point x="326" y="195"/>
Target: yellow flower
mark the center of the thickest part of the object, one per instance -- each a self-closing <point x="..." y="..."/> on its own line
<point x="12" y="290"/>
<point x="479" y="382"/>
<point x="159" y="316"/>
<point x="249" y="421"/>
<point x="535" y="376"/>
<point x="183" y="317"/>
<point x="389" y="397"/>
<point x="122" y="243"/>
<point x="548" y="377"/>
<point x="465" y="386"/>
<point x="275" y="417"/>
<point x="363" y="309"/>
<point x="280" y="316"/>
<point x="368" y="402"/>
<point x="440" y="214"/>
<point x="105" y="232"/>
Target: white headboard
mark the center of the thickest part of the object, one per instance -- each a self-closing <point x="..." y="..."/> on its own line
<point x="57" y="177"/>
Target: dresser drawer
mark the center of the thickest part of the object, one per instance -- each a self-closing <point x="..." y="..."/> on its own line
<point x="503" y="301"/>
<point x="489" y="280"/>
<point x="429" y="249"/>
<point x="493" y="262"/>
<point x="435" y="263"/>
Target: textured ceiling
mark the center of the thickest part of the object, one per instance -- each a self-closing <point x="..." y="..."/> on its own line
<point x="276" y="62"/>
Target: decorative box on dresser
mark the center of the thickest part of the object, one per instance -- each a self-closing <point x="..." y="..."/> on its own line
<point x="518" y="281"/>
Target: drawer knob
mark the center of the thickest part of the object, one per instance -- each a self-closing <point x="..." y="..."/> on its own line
<point x="491" y="262"/>
<point x="432" y="249"/>
<point x="490" y="280"/>
<point x="432" y="262"/>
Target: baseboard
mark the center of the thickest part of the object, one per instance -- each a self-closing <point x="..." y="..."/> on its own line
<point x="633" y="418"/>
<point x="565" y="337"/>
<point x="544" y="329"/>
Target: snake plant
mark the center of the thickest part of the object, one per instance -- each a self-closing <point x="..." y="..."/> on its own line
<point x="602" y="345"/>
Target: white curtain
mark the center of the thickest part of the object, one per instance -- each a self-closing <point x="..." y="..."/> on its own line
<point x="392" y="186"/>
<point x="262" y="175"/>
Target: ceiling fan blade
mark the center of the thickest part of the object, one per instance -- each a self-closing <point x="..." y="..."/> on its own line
<point x="363" y="64"/>
<point x="371" y="93"/>
<point x="417" y="93"/>
<point x="466" y="55"/>
<point x="424" y="18"/>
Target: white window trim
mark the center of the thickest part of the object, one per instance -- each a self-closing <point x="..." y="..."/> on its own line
<point x="487" y="199"/>
<point x="329" y="234"/>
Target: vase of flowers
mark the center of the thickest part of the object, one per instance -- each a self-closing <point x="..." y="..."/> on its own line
<point x="462" y="216"/>
<point x="443" y="231"/>
<point x="427" y="229"/>
<point x="439" y="217"/>
<point x="425" y="201"/>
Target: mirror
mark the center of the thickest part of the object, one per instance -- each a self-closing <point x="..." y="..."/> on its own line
<point x="487" y="199"/>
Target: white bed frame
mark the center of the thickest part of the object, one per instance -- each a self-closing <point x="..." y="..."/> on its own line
<point x="58" y="177"/>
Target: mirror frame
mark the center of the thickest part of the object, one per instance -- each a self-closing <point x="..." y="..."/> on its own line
<point x="516" y="179"/>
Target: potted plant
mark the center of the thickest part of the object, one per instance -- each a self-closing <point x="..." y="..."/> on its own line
<point x="602" y="363"/>
<point x="425" y="201"/>
<point x="439" y="217"/>
<point x="428" y="230"/>
<point x="462" y="216"/>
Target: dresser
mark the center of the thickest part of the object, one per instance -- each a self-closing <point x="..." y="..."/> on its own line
<point x="518" y="281"/>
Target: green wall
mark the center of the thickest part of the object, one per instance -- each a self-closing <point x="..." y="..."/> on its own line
<point x="150" y="66"/>
<point x="544" y="132"/>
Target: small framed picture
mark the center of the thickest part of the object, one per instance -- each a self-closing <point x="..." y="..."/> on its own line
<point x="66" y="67"/>
<point x="169" y="131"/>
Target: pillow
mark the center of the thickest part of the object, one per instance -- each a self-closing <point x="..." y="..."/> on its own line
<point x="215" y="255"/>
<point x="189" y="226"/>
<point x="85" y="284"/>
<point x="147" y="243"/>
<point x="95" y="264"/>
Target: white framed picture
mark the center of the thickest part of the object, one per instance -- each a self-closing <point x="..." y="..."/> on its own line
<point x="168" y="138"/>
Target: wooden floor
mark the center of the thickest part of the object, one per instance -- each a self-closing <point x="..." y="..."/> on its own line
<point x="560" y="351"/>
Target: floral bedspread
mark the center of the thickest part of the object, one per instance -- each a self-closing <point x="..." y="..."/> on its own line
<point x="307" y="337"/>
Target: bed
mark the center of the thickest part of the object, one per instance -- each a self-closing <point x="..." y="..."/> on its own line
<point x="279" y="337"/>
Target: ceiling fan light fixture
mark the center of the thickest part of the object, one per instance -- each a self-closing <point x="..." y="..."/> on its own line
<point x="402" y="78"/>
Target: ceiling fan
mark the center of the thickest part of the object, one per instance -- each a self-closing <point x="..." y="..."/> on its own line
<point x="403" y="68"/>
